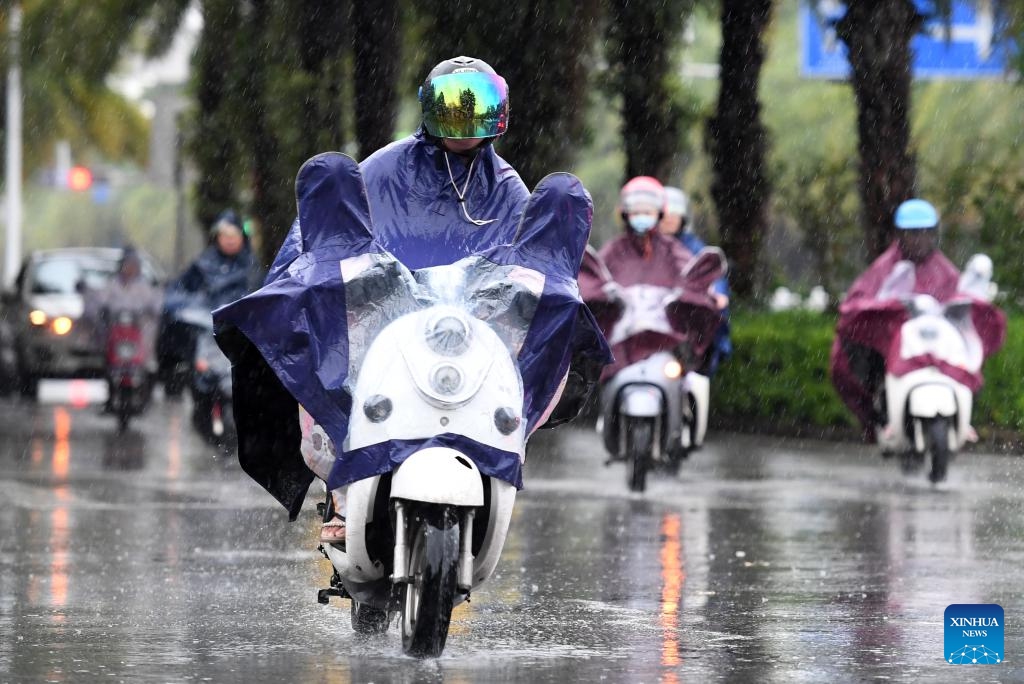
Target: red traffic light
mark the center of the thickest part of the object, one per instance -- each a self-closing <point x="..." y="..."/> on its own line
<point x="79" y="178"/>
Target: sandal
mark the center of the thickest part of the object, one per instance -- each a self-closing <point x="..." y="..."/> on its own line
<point x="333" y="531"/>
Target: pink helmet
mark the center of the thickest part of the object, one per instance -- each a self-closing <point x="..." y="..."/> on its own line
<point x="642" y="192"/>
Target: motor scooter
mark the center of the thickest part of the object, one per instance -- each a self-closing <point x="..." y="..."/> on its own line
<point x="211" y="391"/>
<point x="932" y="371"/>
<point x="129" y="380"/>
<point x="654" y="411"/>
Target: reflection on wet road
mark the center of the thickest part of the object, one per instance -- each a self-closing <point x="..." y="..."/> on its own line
<point x="145" y="557"/>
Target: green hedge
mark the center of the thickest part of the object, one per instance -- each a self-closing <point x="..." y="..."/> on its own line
<point x="778" y="377"/>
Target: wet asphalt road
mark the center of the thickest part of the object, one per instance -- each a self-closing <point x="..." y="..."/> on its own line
<point x="147" y="558"/>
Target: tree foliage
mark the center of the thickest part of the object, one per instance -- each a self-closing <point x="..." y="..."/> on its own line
<point x="67" y="50"/>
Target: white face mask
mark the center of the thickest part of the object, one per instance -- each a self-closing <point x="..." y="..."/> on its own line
<point x="641" y="223"/>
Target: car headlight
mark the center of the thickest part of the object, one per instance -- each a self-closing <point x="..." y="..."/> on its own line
<point x="446" y="379"/>
<point x="61" y="325"/>
<point x="448" y="335"/>
<point x="37" y="317"/>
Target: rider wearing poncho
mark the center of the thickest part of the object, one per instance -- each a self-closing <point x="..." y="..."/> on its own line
<point x="870" y="315"/>
<point x="643" y="256"/>
<point x="435" y="198"/>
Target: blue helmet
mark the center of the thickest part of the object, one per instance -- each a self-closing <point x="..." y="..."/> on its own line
<point x="916" y="214"/>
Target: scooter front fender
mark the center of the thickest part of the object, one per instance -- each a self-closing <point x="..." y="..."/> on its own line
<point x="640" y="401"/>
<point x="929" y="401"/>
<point x="439" y="475"/>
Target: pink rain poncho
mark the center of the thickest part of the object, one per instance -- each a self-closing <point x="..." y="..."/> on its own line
<point x="652" y="260"/>
<point x="871" y="318"/>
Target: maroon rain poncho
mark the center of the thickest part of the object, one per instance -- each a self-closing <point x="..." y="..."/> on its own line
<point x="869" y="322"/>
<point x="652" y="260"/>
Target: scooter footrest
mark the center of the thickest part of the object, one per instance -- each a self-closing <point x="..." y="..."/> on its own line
<point x="324" y="595"/>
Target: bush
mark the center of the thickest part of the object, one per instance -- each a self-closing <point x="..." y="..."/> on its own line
<point x="778" y="378"/>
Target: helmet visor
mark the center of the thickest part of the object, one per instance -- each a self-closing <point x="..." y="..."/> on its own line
<point x="467" y="105"/>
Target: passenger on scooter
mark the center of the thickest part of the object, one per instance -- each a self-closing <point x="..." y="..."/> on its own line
<point x="857" y="360"/>
<point x="640" y="256"/>
<point x="676" y="223"/>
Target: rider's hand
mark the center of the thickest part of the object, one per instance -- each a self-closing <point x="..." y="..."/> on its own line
<point x="613" y="291"/>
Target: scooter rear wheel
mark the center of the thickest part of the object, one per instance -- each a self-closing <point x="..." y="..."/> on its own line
<point x="433" y="569"/>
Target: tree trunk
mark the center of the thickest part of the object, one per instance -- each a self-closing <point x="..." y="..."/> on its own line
<point x="642" y="39"/>
<point x="213" y="145"/>
<point x="737" y="142"/>
<point x="377" y="40"/>
<point x="877" y="35"/>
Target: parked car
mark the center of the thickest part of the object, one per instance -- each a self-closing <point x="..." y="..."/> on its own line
<point x="45" y="307"/>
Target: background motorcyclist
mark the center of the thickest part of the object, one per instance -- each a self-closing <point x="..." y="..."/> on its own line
<point x="640" y="256"/>
<point x="227" y="269"/>
<point x="676" y="222"/>
<point x="223" y="272"/>
<point x="129" y="291"/>
<point x="870" y="316"/>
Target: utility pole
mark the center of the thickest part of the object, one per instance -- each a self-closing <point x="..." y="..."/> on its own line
<point x="12" y="259"/>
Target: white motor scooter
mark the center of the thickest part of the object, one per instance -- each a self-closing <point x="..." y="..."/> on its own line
<point x="654" y="412"/>
<point x="928" y="410"/>
<point x="421" y="538"/>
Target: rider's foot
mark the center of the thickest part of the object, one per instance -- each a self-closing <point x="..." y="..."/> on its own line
<point x="333" y="531"/>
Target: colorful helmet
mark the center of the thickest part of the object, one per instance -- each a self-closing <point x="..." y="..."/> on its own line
<point x="464" y="98"/>
<point x="642" y="192"/>
<point x="916" y="214"/>
<point x="676" y="202"/>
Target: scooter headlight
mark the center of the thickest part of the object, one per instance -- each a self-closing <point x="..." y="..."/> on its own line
<point x="448" y="335"/>
<point x="673" y="369"/>
<point x="125" y="351"/>
<point x="446" y="379"/>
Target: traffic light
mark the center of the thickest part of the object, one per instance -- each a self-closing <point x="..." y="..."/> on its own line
<point x="79" y="178"/>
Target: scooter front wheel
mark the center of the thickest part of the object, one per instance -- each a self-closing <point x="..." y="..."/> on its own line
<point x="433" y="572"/>
<point x="639" y="441"/>
<point x="369" y="620"/>
<point x="937" y="434"/>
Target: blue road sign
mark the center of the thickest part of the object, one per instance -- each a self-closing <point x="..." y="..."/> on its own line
<point x="963" y="49"/>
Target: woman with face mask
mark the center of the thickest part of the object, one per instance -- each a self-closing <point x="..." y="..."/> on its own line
<point x="642" y="255"/>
